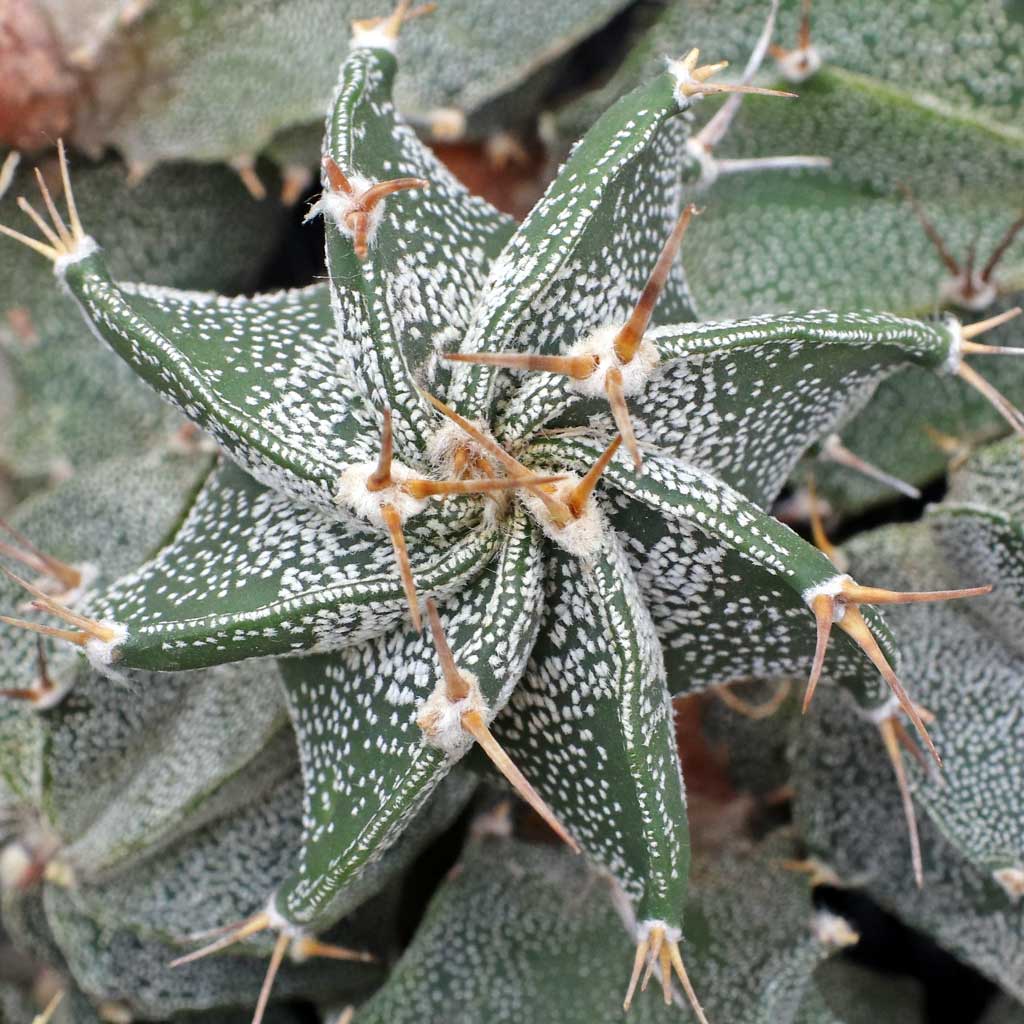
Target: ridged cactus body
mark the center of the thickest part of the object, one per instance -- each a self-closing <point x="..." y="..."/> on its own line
<point x="489" y="486"/>
<point x="915" y="112"/>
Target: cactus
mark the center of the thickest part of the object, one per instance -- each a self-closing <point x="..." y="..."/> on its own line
<point x="743" y="903"/>
<point x="48" y="426"/>
<point x="951" y="141"/>
<point x="158" y="80"/>
<point x="486" y="501"/>
<point x="971" y="840"/>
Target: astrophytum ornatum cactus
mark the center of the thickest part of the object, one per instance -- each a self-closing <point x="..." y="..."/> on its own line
<point x="440" y="424"/>
<point x="966" y="660"/>
<point x="937" y="139"/>
<point x="752" y="949"/>
<point x="47" y="421"/>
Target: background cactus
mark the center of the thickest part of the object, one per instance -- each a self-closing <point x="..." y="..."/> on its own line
<point x="487" y="500"/>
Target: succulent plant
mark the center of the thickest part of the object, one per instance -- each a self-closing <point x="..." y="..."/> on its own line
<point x="741" y="903"/>
<point x="48" y="425"/>
<point x="158" y="79"/>
<point x="943" y="132"/>
<point x="527" y="432"/>
<point x="971" y="829"/>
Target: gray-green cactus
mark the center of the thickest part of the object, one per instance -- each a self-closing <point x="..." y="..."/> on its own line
<point x="525" y="430"/>
<point x="554" y="917"/>
<point x="158" y="79"/>
<point x="48" y="426"/>
<point x="946" y="128"/>
<point x="971" y="837"/>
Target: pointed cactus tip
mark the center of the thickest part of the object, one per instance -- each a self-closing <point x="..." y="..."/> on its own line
<point x="692" y="82"/>
<point x="61" y="241"/>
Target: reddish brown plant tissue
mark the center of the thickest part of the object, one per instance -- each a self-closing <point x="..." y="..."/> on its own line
<point x="37" y="89"/>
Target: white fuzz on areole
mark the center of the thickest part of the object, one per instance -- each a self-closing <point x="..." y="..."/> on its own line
<point x="798" y="65"/>
<point x="832" y="587"/>
<point x="277" y="922"/>
<point x="890" y="709"/>
<point x="376" y="37"/>
<point x="705" y="160"/>
<point x="1011" y="880"/>
<point x="352" y="493"/>
<point x="833" y="931"/>
<point x="601" y="344"/>
<point x="447" y="124"/>
<point x="956" y="353"/>
<point x="580" y="537"/>
<point x="495" y="511"/>
<point x="973" y="293"/>
<point x="440" y="718"/>
<point x="338" y="205"/>
<point x="298" y="952"/>
<point x="15" y="866"/>
<point x="83" y="249"/>
<point x="102" y="654"/>
<point x="671" y="933"/>
<point x="447" y="440"/>
<point x="688" y="88"/>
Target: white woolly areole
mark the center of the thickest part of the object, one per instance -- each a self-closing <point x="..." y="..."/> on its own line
<point x="601" y="344"/>
<point x="890" y="709"/>
<point x="956" y="348"/>
<point x="798" y="65"/>
<point x="441" y="718"/>
<point x="495" y="509"/>
<point x="705" y="160"/>
<point x="833" y="931"/>
<point x="449" y="437"/>
<point x="103" y="653"/>
<point x="338" y="205"/>
<point x="277" y="922"/>
<point x="830" y="588"/>
<point x="86" y="246"/>
<point x="682" y="78"/>
<point x="375" y="38"/>
<point x="352" y="492"/>
<point x="580" y="537"/>
<point x="644" y="929"/>
<point x="969" y="292"/>
<point x="447" y="124"/>
<point x="1012" y="882"/>
<point x="15" y="865"/>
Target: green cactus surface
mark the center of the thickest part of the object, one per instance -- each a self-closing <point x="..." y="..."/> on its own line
<point x="886" y="118"/>
<point x="473" y="511"/>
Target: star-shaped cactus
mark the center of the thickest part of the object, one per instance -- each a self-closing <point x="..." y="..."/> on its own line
<point x="440" y="422"/>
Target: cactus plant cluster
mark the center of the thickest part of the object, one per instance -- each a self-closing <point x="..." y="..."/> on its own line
<point x="461" y="521"/>
<point x="915" y="108"/>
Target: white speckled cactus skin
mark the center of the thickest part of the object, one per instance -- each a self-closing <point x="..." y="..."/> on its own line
<point x="255" y="732"/>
